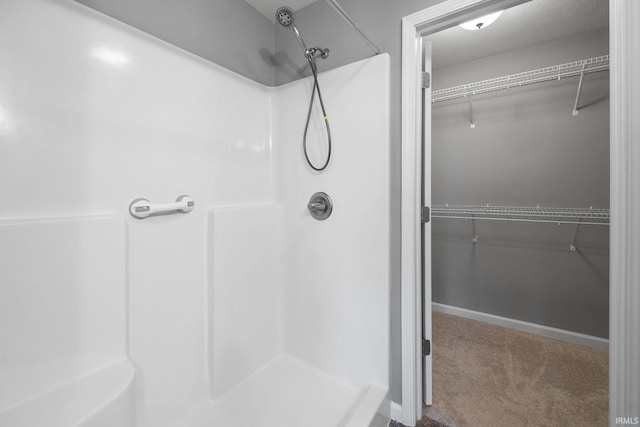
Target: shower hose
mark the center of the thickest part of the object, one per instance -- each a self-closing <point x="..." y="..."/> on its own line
<point x="316" y="87"/>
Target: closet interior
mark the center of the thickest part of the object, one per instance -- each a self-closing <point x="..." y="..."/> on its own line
<point x="520" y="183"/>
<point x="520" y="176"/>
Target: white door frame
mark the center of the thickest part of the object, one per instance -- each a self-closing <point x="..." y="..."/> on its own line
<point x="624" y="283"/>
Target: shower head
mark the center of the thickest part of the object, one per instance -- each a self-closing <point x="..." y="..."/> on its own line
<point x="285" y="17"/>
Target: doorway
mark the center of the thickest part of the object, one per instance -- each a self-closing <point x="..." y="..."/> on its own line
<point x="519" y="183"/>
<point x="622" y="319"/>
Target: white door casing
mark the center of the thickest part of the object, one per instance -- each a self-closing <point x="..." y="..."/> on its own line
<point x="427" y="383"/>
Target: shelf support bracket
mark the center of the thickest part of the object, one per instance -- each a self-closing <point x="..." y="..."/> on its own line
<point x="472" y="124"/>
<point x="572" y="246"/>
<point x="474" y="239"/>
<point x="575" y="105"/>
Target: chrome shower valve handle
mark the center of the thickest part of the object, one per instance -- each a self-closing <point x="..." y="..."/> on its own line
<point x="320" y="206"/>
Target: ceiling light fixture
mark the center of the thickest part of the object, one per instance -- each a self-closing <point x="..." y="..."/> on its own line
<point x="482" y="22"/>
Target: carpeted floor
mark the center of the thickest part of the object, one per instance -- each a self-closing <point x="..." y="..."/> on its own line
<point x="425" y="422"/>
<point x="490" y="376"/>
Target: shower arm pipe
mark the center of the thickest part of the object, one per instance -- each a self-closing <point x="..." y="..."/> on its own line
<point x="347" y="18"/>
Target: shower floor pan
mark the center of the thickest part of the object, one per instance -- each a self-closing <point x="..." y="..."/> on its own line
<point x="289" y="393"/>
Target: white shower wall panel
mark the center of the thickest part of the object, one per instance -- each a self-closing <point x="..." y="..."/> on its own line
<point x="245" y="297"/>
<point x="94" y="114"/>
<point x="62" y="302"/>
<point x="337" y="283"/>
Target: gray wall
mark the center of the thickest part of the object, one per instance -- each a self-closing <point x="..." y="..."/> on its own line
<point x="527" y="149"/>
<point x="228" y="32"/>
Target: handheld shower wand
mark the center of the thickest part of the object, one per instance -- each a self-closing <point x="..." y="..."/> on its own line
<point x="285" y="18"/>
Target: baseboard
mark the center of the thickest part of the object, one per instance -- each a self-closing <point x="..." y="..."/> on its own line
<point x="546" y="331"/>
<point x="396" y="412"/>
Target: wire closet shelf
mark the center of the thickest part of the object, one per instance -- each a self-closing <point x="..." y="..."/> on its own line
<point x="578" y="216"/>
<point x="556" y="72"/>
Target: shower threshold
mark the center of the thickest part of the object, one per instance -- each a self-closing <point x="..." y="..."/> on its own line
<point x="288" y="393"/>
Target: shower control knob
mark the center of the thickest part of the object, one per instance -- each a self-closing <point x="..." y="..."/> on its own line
<point x="320" y="206"/>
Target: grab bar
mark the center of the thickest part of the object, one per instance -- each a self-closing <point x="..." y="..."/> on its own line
<point x="142" y="208"/>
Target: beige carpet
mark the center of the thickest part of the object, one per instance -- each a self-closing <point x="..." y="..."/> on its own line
<point x="485" y="375"/>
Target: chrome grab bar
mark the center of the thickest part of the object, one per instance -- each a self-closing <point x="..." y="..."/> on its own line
<point x="142" y="208"/>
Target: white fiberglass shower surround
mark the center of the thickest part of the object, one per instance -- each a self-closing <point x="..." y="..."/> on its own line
<point x="245" y="311"/>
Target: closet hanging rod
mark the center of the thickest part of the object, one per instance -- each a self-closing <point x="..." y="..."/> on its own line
<point x="581" y="216"/>
<point x="556" y="72"/>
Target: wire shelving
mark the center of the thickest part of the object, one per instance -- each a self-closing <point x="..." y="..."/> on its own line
<point x="556" y="72"/>
<point x="538" y="214"/>
<point x="581" y="216"/>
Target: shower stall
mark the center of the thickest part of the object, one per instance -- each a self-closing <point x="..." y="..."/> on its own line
<point x="160" y="265"/>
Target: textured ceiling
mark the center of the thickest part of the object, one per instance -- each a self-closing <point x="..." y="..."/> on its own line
<point x="528" y="24"/>
<point x="268" y="7"/>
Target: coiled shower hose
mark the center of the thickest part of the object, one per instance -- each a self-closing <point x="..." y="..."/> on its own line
<point x="316" y="87"/>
